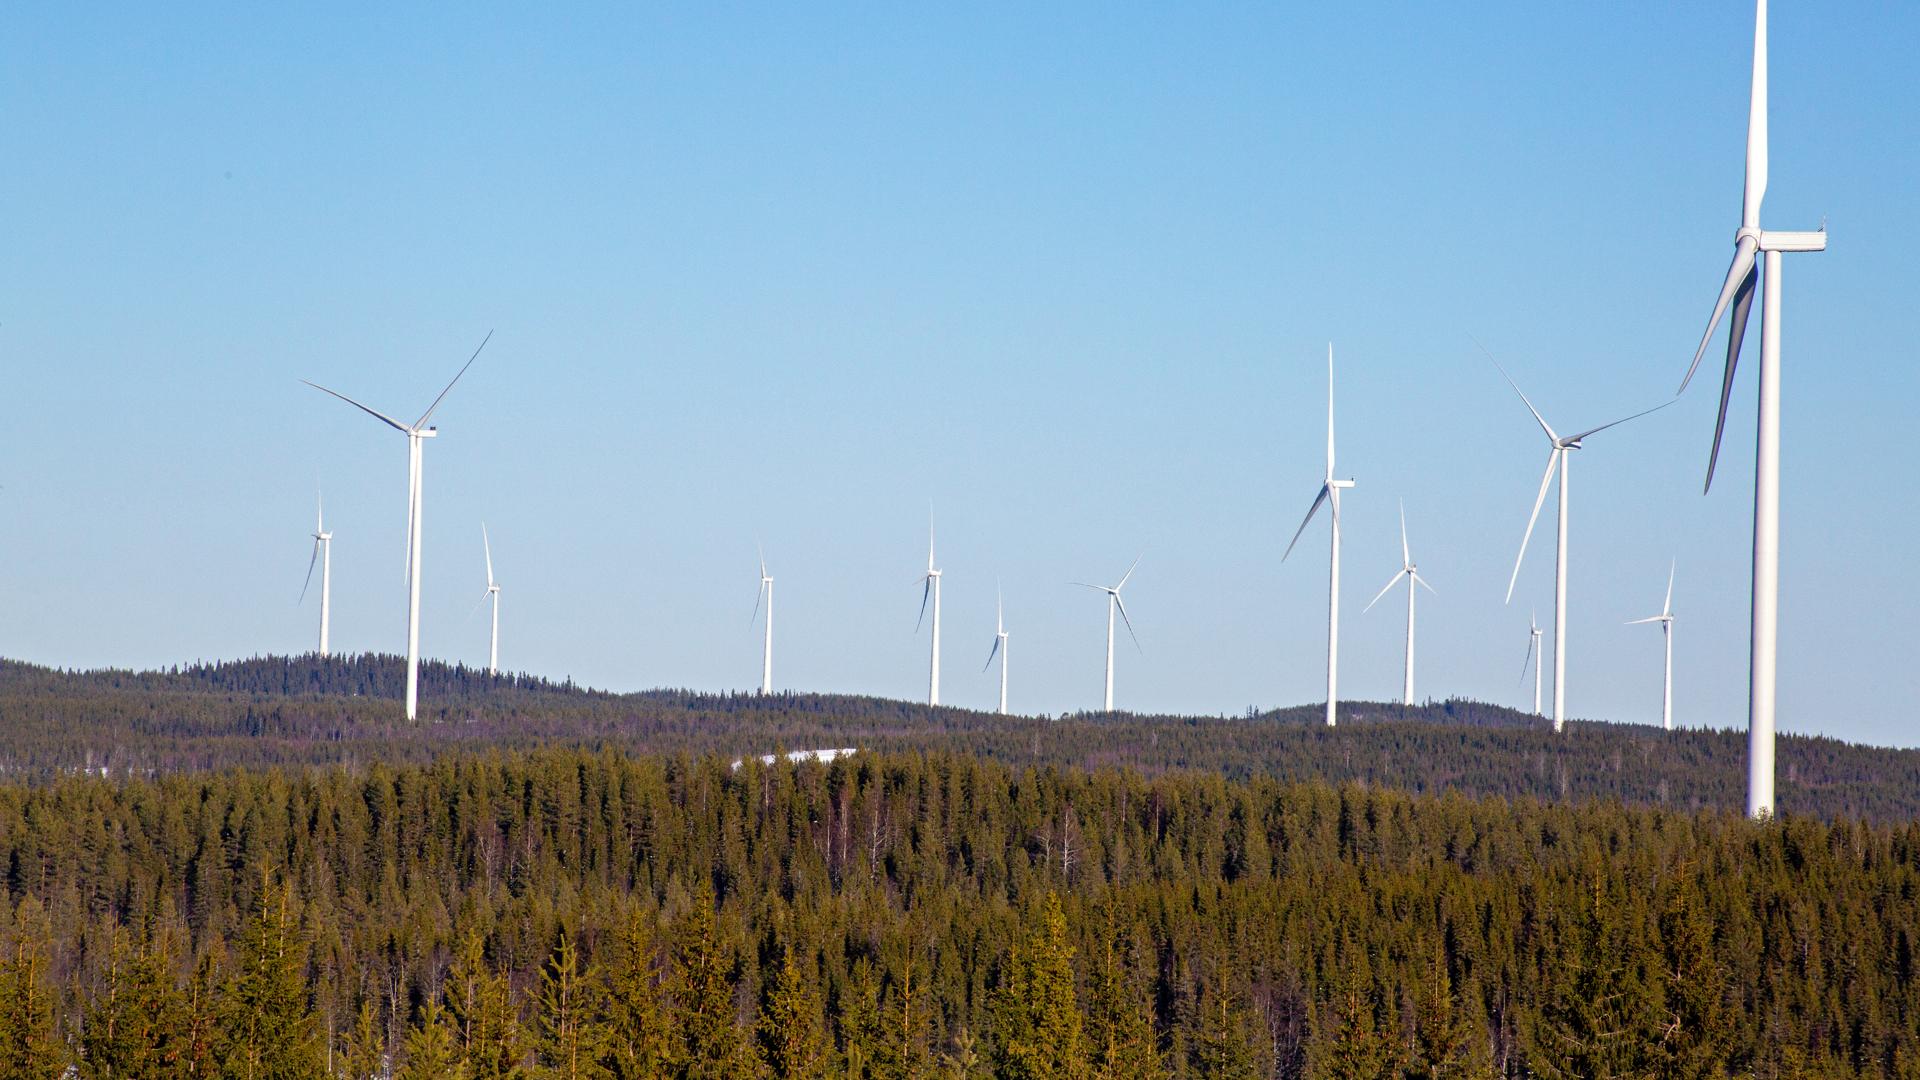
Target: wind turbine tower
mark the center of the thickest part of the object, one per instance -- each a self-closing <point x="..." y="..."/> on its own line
<point x="417" y="433"/>
<point x="766" y="648"/>
<point x="323" y="555"/>
<point x="492" y="593"/>
<point x="1412" y="573"/>
<point x="1114" y="603"/>
<point x="1665" y="619"/>
<point x="1329" y="493"/>
<point x="931" y="591"/>
<point x="1533" y="657"/>
<point x="1750" y="241"/>
<point x="1559" y="457"/>
<point x="1000" y="648"/>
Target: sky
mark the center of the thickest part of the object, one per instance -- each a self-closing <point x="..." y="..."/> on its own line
<point x="1063" y="276"/>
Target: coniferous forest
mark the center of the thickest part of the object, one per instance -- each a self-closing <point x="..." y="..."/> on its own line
<point x="277" y="881"/>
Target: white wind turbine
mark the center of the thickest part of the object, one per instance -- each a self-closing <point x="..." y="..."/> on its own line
<point x="1665" y="619"/>
<point x="1330" y="494"/>
<point x="1558" y="450"/>
<point x="1533" y="657"/>
<point x="417" y="433"/>
<point x="492" y="593"/>
<point x="1750" y="240"/>
<point x="322" y="554"/>
<point x="1412" y="574"/>
<point x="932" y="591"/>
<point x="766" y="649"/>
<point x="1114" y="603"/>
<point x="999" y="648"/>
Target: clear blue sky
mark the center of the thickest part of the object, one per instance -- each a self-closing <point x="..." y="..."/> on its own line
<point x="1066" y="271"/>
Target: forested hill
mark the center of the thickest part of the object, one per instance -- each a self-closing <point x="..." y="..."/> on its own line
<point x="305" y="711"/>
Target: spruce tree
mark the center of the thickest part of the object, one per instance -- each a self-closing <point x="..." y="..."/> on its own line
<point x="431" y="1052"/>
<point x="266" y="1032"/>
<point x="136" y="1027"/>
<point x="365" y="1056"/>
<point x="1694" y="1038"/>
<point x="1448" y="1040"/>
<point x="1036" y="1019"/>
<point x="1120" y="1035"/>
<point x="710" y="1046"/>
<point x="572" y="1036"/>
<point x="480" y="1010"/>
<point x="1222" y="1045"/>
<point x="864" y="1048"/>
<point x="1597" y="1021"/>
<point x="1352" y="1047"/>
<point x="637" y="1027"/>
<point x="791" y="1038"/>
<point x="29" y="1047"/>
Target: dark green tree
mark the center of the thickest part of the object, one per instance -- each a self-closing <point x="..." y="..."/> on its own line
<point x="135" y="1028"/>
<point x="792" y="1041"/>
<point x="1037" y="1022"/>
<point x="572" y="1038"/>
<point x="710" y="1044"/>
<point x="431" y="1052"/>
<point x="480" y="1009"/>
<point x="639" y="1037"/>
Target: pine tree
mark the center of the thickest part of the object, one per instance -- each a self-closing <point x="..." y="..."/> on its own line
<point x="791" y="1038"/>
<point x="431" y="1051"/>
<point x="29" y="1047"/>
<point x="637" y="1028"/>
<point x="266" y="1032"/>
<point x="480" y="1010"/>
<point x="572" y="1036"/>
<point x="1036" y="1019"/>
<point x="710" y="1046"/>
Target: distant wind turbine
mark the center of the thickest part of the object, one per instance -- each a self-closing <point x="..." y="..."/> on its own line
<point x="766" y="649"/>
<point x="417" y="433"/>
<point x="492" y="593"/>
<point x="1412" y="574"/>
<point x="1665" y="619"/>
<point x="999" y="648"/>
<point x="1533" y="657"/>
<point x="1330" y="494"/>
<point x="931" y="591"/>
<point x="1750" y="240"/>
<point x="1559" y="450"/>
<point x="322" y="554"/>
<point x="1114" y="603"/>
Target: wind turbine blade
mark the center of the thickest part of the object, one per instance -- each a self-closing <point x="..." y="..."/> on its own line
<point x="1096" y="588"/>
<point x="1524" y="664"/>
<point x="995" y="651"/>
<point x="319" y="514"/>
<point x="1406" y="554"/>
<point x="1739" y="275"/>
<point x="1648" y="619"/>
<point x="1541" y="420"/>
<point x="1122" y="605"/>
<point x="757" y="594"/>
<point x="380" y="416"/>
<point x="924" y="595"/>
<point x="1546" y="479"/>
<point x="1129" y="573"/>
<point x="1756" y="188"/>
<point x="1667" y="608"/>
<point x="763" y="562"/>
<point x="1742" y="305"/>
<point x="422" y="422"/>
<point x="1620" y="421"/>
<point x="929" y="540"/>
<point x="1423" y="584"/>
<point x="487" y="546"/>
<point x="477" y="603"/>
<point x="1383" y="591"/>
<point x="1329" y="410"/>
<point x="315" y="558"/>
<point x="1315" y="508"/>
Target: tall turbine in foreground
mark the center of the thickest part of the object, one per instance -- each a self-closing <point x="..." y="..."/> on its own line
<point x="417" y="433"/>
<point x="1412" y="573"/>
<point x="1533" y="657"/>
<point x="322" y="554"/>
<point x="1665" y="619"/>
<point x="931" y="591"/>
<point x="766" y="648"/>
<point x="1114" y="603"/>
<point x="492" y="593"/>
<point x="1750" y="240"/>
<point x="999" y="648"/>
<point x="1559" y="450"/>
<point x="1329" y="493"/>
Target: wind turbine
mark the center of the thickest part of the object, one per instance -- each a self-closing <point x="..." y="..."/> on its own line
<point x="999" y="648"/>
<point x="1412" y="574"/>
<point x="1330" y="494"/>
<point x="1750" y="240"/>
<point x="766" y="650"/>
<point x="932" y="591"/>
<point x="1558" y="450"/>
<point x="1533" y="657"/>
<point x="492" y="593"/>
<point x="417" y="433"/>
<point x="322" y="554"/>
<point x="1665" y="619"/>
<point x="1114" y="603"/>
